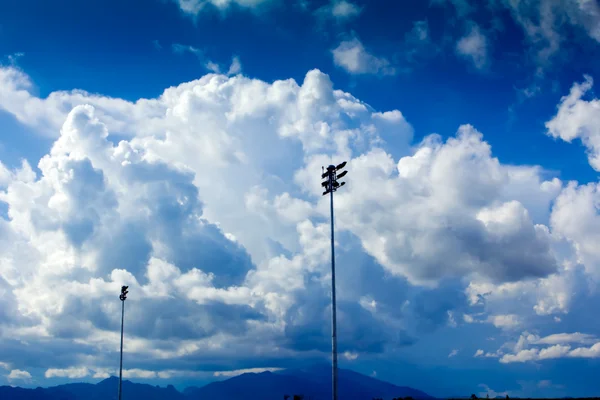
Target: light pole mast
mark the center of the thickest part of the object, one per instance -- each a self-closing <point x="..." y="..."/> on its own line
<point x="331" y="185"/>
<point x="122" y="297"/>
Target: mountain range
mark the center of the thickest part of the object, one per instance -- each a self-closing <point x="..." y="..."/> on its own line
<point x="313" y="383"/>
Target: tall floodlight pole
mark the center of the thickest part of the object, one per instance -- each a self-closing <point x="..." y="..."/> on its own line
<point x="331" y="175"/>
<point x="122" y="297"/>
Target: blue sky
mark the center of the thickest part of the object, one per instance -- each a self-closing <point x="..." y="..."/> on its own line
<point x="176" y="146"/>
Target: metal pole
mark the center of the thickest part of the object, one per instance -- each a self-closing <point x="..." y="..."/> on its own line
<point x="121" y="363"/>
<point x="333" y="309"/>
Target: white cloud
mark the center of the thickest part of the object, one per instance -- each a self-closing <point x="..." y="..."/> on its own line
<point x="556" y="351"/>
<point x="543" y="22"/>
<point x="194" y="7"/>
<point x="560" y="338"/>
<point x="579" y="119"/>
<point x="510" y="321"/>
<point x="139" y="373"/>
<point x="451" y="319"/>
<point x="350" y="356"/>
<point x="98" y="215"/>
<point x="531" y="347"/>
<point x="236" y="66"/>
<point x="158" y="209"/>
<point x="13" y="59"/>
<point x="432" y="212"/>
<point x="48" y="115"/>
<point x="19" y="375"/>
<point x="480" y="353"/>
<point x="102" y="373"/>
<point x="344" y="9"/>
<point x="453" y="353"/>
<point x="521" y="356"/>
<point x="503" y="321"/>
<point x="586" y="352"/>
<point x="352" y="56"/>
<point x="170" y="374"/>
<point x="474" y="47"/>
<point x="339" y="10"/>
<point x="547" y="25"/>
<point x="237" y="372"/>
<point x="71" y="372"/>
<point x="575" y="217"/>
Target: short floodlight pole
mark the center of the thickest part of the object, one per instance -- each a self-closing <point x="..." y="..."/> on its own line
<point x="331" y="184"/>
<point x="122" y="297"/>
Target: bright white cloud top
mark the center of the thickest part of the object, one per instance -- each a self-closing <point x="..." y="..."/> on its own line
<point x="209" y="208"/>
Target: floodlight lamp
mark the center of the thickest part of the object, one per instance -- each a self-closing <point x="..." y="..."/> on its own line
<point x="325" y="184"/>
<point x="342" y="174"/>
<point x="342" y="184"/>
<point x="342" y="165"/>
<point x="325" y="175"/>
<point x="325" y="192"/>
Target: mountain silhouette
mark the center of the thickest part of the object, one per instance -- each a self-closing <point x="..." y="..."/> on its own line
<point x="313" y="383"/>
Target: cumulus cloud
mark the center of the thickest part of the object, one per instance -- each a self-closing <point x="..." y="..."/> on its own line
<point x="552" y="352"/>
<point x="344" y="9"/>
<point x="488" y="354"/>
<point x="352" y="56"/>
<point x="19" y="375"/>
<point x="532" y="348"/>
<point x="339" y="10"/>
<point x="101" y="214"/>
<point x="428" y="215"/>
<point x="47" y="115"/>
<point x="509" y="321"/>
<point x="575" y="217"/>
<point x="560" y="338"/>
<point x="71" y="373"/>
<point x="578" y="118"/>
<point x="177" y="197"/>
<point x="474" y="47"/>
<point x="194" y="7"/>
